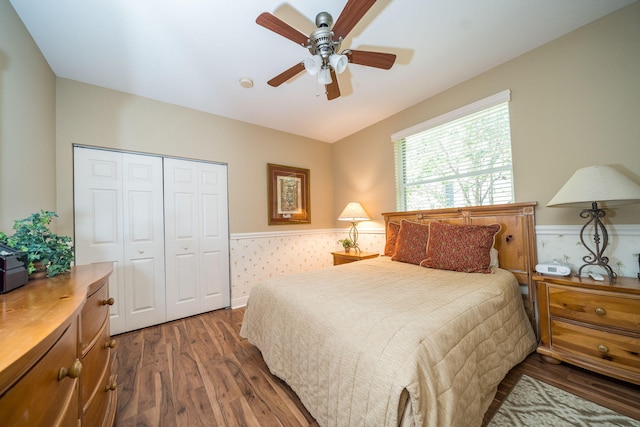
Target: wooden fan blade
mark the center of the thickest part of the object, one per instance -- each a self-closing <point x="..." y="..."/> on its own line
<point x="286" y="75"/>
<point x="278" y="26"/>
<point x="352" y="13"/>
<point x="371" y="59"/>
<point x="333" y="90"/>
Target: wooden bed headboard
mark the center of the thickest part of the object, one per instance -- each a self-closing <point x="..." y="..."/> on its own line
<point x="516" y="241"/>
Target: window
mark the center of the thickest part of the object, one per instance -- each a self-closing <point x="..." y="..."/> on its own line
<point x="462" y="158"/>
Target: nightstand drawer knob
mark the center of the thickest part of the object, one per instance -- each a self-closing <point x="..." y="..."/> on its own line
<point x="600" y="311"/>
<point x="603" y="348"/>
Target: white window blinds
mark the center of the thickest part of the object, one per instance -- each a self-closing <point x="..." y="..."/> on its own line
<point x="462" y="158"/>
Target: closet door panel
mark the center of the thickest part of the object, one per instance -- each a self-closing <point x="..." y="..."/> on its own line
<point x="143" y="241"/>
<point x="186" y="279"/>
<point x="213" y="266"/>
<point x="197" y="237"/>
<point x="214" y="240"/>
<point x="181" y="243"/>
<point x="97" y="220"/>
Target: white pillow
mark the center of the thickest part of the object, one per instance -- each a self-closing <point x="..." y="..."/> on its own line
<point x="494" y="258"/>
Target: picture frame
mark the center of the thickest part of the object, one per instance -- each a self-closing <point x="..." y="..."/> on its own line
<point x="288" y="195"/>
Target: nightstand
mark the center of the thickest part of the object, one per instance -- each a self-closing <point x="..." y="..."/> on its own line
<point x="595" y="325"/>
<point x="346" y="257"/>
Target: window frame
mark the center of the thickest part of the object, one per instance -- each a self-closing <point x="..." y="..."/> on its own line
<point x="460" y="113"/>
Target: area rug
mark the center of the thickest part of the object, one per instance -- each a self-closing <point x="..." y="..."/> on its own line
<point x="535" y="403"/>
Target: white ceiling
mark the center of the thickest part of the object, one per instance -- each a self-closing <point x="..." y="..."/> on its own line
<point x="193" y="52"/>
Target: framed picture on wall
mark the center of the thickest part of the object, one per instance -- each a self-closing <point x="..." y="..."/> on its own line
<point x="288" y="195"/>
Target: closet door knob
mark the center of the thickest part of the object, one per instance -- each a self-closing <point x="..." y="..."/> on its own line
<point x="109" y="301"/>
<point x="141" y="251"/>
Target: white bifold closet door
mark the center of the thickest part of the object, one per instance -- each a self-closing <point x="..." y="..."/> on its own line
<point x="118" y="211"/>
<point x="163" y="223"/>
<point x="197" y="237"/>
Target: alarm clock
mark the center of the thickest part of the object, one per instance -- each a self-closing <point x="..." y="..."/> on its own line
<point x="554" y="268"/>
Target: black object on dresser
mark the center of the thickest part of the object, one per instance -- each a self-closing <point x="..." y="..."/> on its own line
<point x="13" y="273"/>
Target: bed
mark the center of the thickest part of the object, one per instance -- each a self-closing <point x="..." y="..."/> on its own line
<point x="389" y="342"/>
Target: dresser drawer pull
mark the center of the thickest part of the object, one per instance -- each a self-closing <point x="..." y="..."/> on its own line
<point x="600" y="311"/>
<point x="109" y="301"/>
<point x="603" y="348"/>
<point x="111" y="387"/>
<point x="73" y="371"/>
<point x="110" y="344"/>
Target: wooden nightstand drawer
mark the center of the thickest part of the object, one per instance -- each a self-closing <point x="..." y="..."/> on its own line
<point x="602" y="347"/>
<point x="591" y="324"/>
<point x="595" y="308"/>
<point x="346" y="257"/>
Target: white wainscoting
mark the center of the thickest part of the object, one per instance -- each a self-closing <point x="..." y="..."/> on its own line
<point x="562" y="242"/>
<point x="259" y="256"/>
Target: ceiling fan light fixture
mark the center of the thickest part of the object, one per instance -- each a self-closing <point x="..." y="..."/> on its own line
<point x="324" y="77"/>
<point x="324" y="43"/>
<point x="338" y="62"/>
<point x="313" y="64"/>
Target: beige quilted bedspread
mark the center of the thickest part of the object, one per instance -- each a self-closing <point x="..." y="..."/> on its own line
<point x="357" y="340"/>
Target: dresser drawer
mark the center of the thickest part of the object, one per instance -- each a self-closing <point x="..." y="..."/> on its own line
<point x="601" y="347"/>
<point x="96" y="368"/>
<point x="95" y="412"/>
<point x="94" y="315"/>
<point x="595" y="308"/>
<point x="40" y="398"/>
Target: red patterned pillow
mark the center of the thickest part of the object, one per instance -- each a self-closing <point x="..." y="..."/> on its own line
<point x="464" y="248"/>
<point x="392" y="235"/>
<point x="411" y="243"/>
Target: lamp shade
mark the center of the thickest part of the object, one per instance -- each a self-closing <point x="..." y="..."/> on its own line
<point x="602" y="184"/>
<point x="324" y="76"/>
<point x="313" y="64"/>
<point x="338" y="62"/>
<point x="354" y="212"/>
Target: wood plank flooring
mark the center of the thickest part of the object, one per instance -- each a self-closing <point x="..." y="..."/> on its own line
<point x="199" y="372"/>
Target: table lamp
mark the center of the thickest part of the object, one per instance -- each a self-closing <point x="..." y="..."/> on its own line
<point x="596" y="188"/>
<point x="354" y="212"/>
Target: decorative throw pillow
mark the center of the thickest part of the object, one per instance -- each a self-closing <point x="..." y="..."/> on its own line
<point x="392" y="235"/>
<point x="464" y="248"/>
<point x="411" y="243"/>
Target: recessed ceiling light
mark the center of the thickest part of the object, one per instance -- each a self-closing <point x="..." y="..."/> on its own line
<point x="246" y="82"/>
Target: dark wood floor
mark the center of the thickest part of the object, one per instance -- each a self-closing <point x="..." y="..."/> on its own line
<point x="199" y="372"/>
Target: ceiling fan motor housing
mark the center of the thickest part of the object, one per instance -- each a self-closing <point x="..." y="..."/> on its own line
<point x="324" y="19"/>
<point x="321" y="40"/>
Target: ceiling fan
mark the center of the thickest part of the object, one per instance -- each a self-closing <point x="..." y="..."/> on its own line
<point x="324" y="45"/>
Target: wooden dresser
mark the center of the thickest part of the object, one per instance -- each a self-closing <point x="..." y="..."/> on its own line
<point x="595" y="325"/>
<point x="55" y="351"/>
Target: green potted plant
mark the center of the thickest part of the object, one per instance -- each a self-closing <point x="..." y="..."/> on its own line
<point x="347" y="244"/>
<point x="45" y="251"/>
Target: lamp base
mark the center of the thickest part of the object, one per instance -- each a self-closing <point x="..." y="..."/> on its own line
<point x="353" y="235"/>
<point x="596" y="257"/>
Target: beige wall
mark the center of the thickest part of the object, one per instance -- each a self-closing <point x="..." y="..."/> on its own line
<point x="90" y="115"/>
<point x="577" y="98"/>
<point x="27" y="123"/>
<point x="575" y="103"/>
